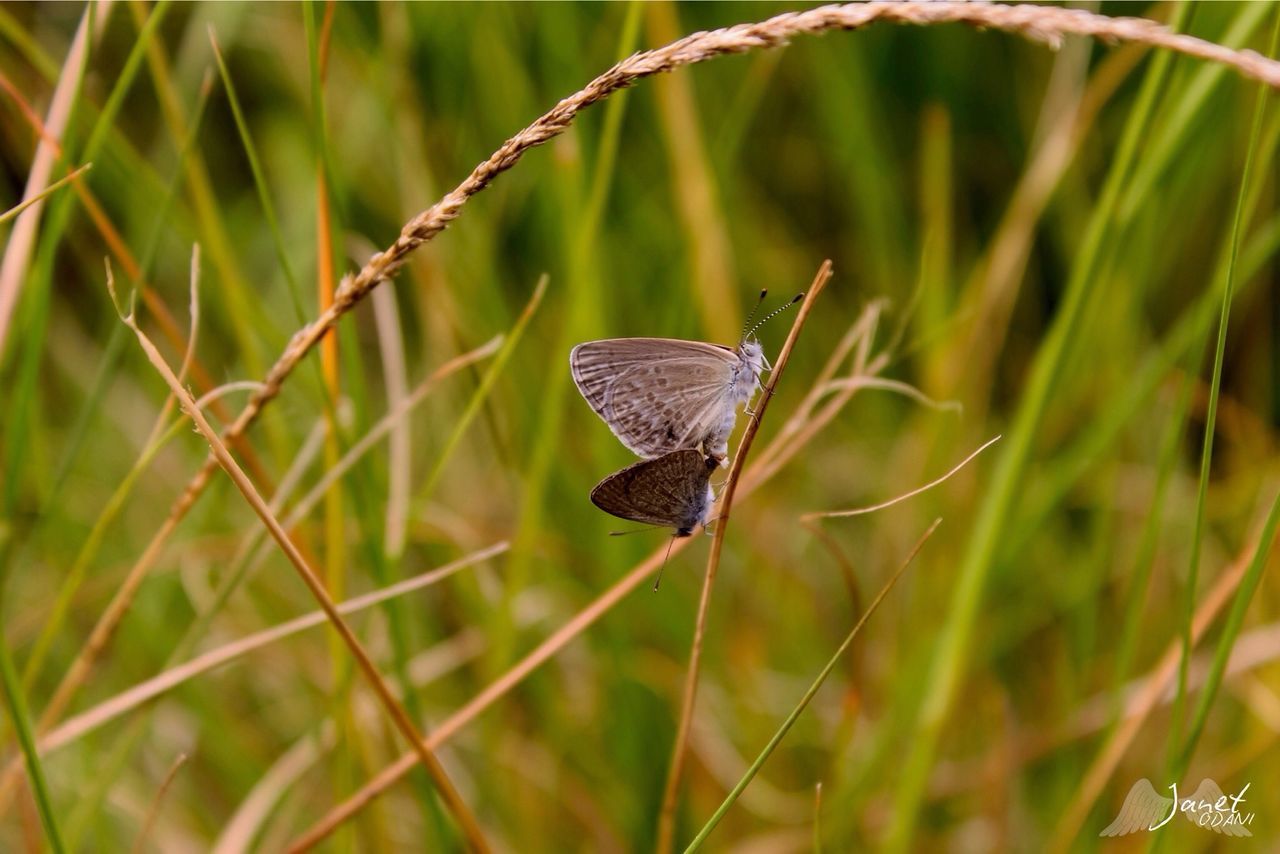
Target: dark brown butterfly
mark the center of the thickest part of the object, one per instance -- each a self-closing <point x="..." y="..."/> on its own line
<point x="672" y="490"/>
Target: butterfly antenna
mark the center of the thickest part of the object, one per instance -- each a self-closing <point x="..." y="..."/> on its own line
<point x="665" y="558"/>
<point x="771" y="315"/>
<point x="752" y="315"/>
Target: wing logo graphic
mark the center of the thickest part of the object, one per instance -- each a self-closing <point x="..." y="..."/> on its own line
<point x="1208" y="807"/>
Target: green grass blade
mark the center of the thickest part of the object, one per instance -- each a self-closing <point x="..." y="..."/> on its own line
<point x="107" y="368"/>
<point x="259" y="182"/>
<point x="1144" y="557"/>
<point x="1231" y="630"/>
<point x="13" y="212"/>
<point x="26" y="740"/>
<point x="481" y="393"/>
<point x="1206" y="454"/>
<point x="808" y="695"/>
<point x="997" y="506"/>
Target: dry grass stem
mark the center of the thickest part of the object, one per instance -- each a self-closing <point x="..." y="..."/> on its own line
<point x="807" y="697"/>
<point x="120" y="251"/>
<point x="112" y="708"/>
<point x="833" y="514"/>
<point x="258" y="806"/>
<point x="140" y="843"/>
<point x="1039" y="23"/>
<point x="500" y="686"/>
<point x="1255" y="649"/>
<point x="22" y="240"/>
<point x="453" y="801"/>
<point x="666" y="816"/>
<point x="83" y="664"/>
<point x="897" y="387"/>
<point x="238" y="834"/>
<point x="798" y="432"/>
<point x="395" y="379"/>
<point x="1156" y="686"/>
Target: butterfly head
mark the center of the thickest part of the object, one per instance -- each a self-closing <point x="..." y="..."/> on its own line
<point x="752" y="355"/>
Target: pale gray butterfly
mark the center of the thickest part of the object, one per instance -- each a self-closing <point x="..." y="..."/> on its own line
<point x="673" y="490"/>
<point x="663" y="394"/>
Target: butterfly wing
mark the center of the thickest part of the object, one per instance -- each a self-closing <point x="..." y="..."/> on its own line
<point x="670" y="490"/>
<point x="656" y="394"/>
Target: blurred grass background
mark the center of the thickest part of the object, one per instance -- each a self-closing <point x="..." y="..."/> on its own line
<point x="976" y="181"/>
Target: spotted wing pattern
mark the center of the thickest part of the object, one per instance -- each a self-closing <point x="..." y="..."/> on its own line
<point x="1143" y="807"/>
<point x="657" y="394"/>
<point x="671" y="490"/>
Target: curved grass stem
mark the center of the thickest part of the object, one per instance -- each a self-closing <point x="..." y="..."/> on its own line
<point x="666" y="817"/>
<point x="466" y="820"/>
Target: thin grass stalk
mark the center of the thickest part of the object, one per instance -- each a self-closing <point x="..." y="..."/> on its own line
<point x="581" y="234"/>
<point x="44" y="194"/>
<point x="482" y="391"/>
<point x="1185" y="107"/>
<point x="1230" y="631"/>
<point x="453" y="800"/>
<point x="28" y="257"/>
<point x="1140" y="569"/>
<point x="1179" y="757"/>
<point x="22" y="240"/>
<point x="259" y="179"/>
<point x="334" y="525"/>
<point x="140" y="841"/>
<point x="245" y="315"/>
<point x="694" y="189"/>
<point x="949" y="663"/>
<point x="859" y="511"/>
<point x="805" y="699"/>
<point x="239" y="569"/>
<point x="395" y="513"/>
<point x="21" y="719"/>
<point x="153" y="443"/>
<point x="1032" y="22"/>
<point x="817" y="818"/>
<point x="666" y="816"/>
<point x="108" y="710"/>
<point x="803" y="426"/>
<point x="1066" y="833"/>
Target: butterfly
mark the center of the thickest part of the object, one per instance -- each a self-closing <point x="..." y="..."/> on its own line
<point x="663" y="394"/>
<point x="672" y="490"/>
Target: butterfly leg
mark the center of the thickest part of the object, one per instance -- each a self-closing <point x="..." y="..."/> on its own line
<point x="752" y="411"/>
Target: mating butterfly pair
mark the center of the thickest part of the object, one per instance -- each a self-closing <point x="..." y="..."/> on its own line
<point x="674" y="403"/>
